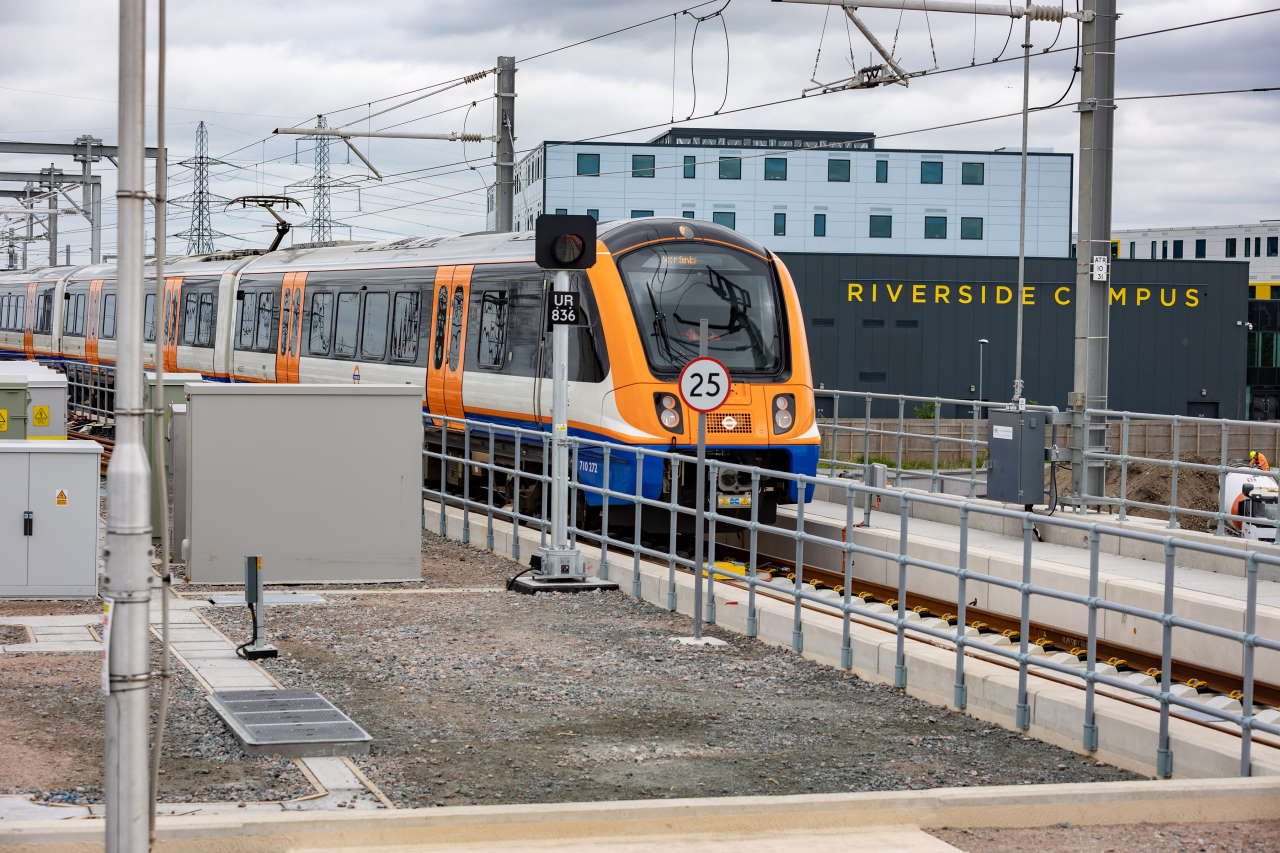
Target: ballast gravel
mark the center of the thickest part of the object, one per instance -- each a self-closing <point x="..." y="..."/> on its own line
<point x="496" y="697"/>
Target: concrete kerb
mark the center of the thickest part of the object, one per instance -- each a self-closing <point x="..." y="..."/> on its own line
<point x="1127" y="732"/>
<point x="1099" y="803"/>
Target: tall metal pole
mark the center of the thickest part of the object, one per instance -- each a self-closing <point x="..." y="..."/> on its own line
<point x="128" y="541"/>
<point x="700" y="499"/>
<point x="505" y="147"/>
<point x="27" y="202"/>
<point x="560" y="426"/>
<point x="1097" y="122"/>
<point x="91" y="197"/>
<point x="52" y="226"/>
<point x="1022" y="212"/>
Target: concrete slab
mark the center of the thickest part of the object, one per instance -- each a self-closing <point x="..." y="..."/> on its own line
<point x="86" y="645"/>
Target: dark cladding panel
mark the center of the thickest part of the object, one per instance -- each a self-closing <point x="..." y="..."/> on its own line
<point x="1174" y="338"/>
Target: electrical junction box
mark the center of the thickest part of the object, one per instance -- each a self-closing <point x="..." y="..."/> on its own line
<point x="14" y="401"/>
<point x="49" y="519"/>
<point x="1015" y="457"/>
<point x="47" y="407"/>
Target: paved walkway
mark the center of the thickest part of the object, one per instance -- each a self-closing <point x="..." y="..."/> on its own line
<point x="56" y="633"/>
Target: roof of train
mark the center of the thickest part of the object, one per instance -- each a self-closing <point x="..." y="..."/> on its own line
<point x="486" y="247"/>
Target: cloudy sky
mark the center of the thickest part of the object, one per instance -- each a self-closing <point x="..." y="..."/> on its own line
<point x="246" y="67"/>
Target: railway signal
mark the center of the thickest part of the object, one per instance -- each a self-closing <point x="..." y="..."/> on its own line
<point x="563" y="242"/>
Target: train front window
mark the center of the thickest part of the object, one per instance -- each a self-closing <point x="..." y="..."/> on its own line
<point x="673" y="286"/>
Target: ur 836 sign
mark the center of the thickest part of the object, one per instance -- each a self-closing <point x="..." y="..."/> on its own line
<point x="564" y="309"/>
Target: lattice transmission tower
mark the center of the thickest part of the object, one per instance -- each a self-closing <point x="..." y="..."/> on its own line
<point x="200" y="234"/>
<point x="321" y="183"/>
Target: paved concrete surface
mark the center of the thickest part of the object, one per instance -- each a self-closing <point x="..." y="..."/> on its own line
<point x="56" y="633"/>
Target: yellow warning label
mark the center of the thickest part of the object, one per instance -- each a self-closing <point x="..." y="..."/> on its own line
<point x="40" y="416"/>
<point x="4" y="420"/>
<point x="61" y="498"/>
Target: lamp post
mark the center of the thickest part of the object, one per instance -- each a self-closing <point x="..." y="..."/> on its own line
<point x="982" y="357"/>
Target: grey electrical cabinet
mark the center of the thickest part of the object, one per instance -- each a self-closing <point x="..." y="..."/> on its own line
<point x="49" y="519"/>
<point x="322" y="482"/>
<point x="1015" y="449"/>
<point x="15" y="399"/>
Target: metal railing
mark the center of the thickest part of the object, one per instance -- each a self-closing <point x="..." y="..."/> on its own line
<point x="842" y="442"/>
<point x="1178" y="426"/>
<point x="91" y="388"/>
<point x="478" y="475"/>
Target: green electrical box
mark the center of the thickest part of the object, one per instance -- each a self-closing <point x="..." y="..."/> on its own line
<point x="15" y="397"/>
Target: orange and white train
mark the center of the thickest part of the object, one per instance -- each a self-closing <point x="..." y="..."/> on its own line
<point x="464" y="318"/>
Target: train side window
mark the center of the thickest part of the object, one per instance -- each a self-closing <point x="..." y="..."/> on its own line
<point x="404" y="327"/>
<point x="373" y="337"/>
<point x="493" y="329"/>
<point x="321" y="324"/>
<point x="442" y="302"/>
<point x="69" y="321"/>
<point x="81" y="301"/>
<point x="149" y="317"/>
<point x="191" y="307"/>
<point x="248" y="311"/>
<point x="44" y="312"/>
<point x="344" y="338"/>
<point x="264" y="336"/>
<point x="455" y="331"/>
<point x="109" y="316"/>
<point x="205" y="323"/>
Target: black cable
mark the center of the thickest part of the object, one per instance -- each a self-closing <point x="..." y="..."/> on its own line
<point x="1007" y="37"/>
<point x="511" y="581"/>
<point x="253" y="641"/>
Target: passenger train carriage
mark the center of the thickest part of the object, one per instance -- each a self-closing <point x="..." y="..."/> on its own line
<point x="463" y="317"/>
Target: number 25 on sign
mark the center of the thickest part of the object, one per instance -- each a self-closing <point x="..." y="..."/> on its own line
<point x="704" y="384"/>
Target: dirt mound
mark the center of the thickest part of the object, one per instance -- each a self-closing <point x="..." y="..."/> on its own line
<point x="1153" y="484"/>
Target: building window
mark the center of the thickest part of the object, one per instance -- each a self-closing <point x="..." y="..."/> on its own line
<point x="642" y="165"/>
<point x="1164" y="250"/>
<point x="1153" y="250"/>
<point x="970" y="227"/>
<point x="1247" y="243"/>
<point x="935" y="227"/>
<point x="931" y="171"/>
<point x="593" y="213"/>
<point x="819" y="225"/>
<point x="1133" y="250"/>
<point x="1273" y="246"/>
<point x="640" y="214"/>
<point x="690" y="166"/>
<point x="562" y="211"/>
<point x="589" y="164"/>
<point x="838" y="170"/>
<point x="1230" y="248"/>
<point x="779" y="225"/>
<point x="725" y="218"/>
<point x="882" y="171"/>
<point x="1200" y="248"/>
<point x="688" y="214"/>
<point x="730" y="168"/>
<point x="1177" y="249"/>
<point x="881" y="226"/>
<point x="973" y="173"/>
<point x="775" y="168"/>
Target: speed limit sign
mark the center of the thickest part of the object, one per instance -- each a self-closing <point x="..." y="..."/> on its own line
<point x="704" y="384"/>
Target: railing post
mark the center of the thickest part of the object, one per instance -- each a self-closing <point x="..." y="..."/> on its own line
<point x="900" y="661"/>
<point x="713" y="479"/>
<point x="516" y="520"/>
<point x="1090" y="733"/>
<point x="866" y="433"/>
<point x="1023" y="712"/>
<point x="488" y="538"/>
<point x="753" y="555"/>
<point x="973" y="453"/>
<point x="1124" y="466"/>
<point x="444" y="475"/>
<point x="797" y="618"/>
<point x="604" y="516"/>
<point x="902" y="407"/>
<point x="846" y="640"/>
<point x="1222" y="473"/>
<point x="1246" y="668"/>
<point x="937" y="434"/>
<point x="466" y="482"/>
<point x="961" y="691"/>
<point x="1164" y="756"/>
<point x="636" y="522"/>
<point x="835" y="431"/>
<point x="1173" y="486"/>
<point x="674" y="516"/>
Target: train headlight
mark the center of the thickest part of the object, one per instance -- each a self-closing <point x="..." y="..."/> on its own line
<point x="669" y="412"/>
<point x="783" y="412"/>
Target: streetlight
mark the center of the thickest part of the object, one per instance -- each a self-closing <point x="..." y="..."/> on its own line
<point x="982" y="343"/>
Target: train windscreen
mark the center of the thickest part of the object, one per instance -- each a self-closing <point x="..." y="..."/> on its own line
<point x="673" y="286"/>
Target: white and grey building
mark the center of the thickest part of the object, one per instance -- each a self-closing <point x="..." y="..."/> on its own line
<point x="808" y="191"/>
<point x="1259" y="244"/>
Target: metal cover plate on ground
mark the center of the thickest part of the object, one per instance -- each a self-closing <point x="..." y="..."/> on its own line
<point x="294" y="723"/>
<point x="232" y="599"/>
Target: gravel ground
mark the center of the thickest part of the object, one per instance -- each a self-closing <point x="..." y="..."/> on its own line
<point x="1247" y="837"/>
<point x="11" y="635"/>
<point x="11" y="609"/>
<point x="484" y="698"/>
<point x="51" y="739"/>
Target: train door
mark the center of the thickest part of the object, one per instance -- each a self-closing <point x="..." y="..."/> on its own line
<point x="28" y="322"/>
<point x="289" y="340"/>
<point x="437" y="341"/>
<point x="92" y="323"/>
<point x="455" y="358"/>
<point x="172" y="314"/>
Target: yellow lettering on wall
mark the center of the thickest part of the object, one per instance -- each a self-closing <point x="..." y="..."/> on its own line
<point x="917" y="294"/>
<point x="1143" y="294"/>
<point x="893" y="297"/>
<point x="1062" y="295"/>
<point x="1028" y="294"/>
<point x="984" y="294"/>
<point x="874" y="290"/>
<point x="1193" y="297"/>
<point x="966" y="294"/>
<point x="1004" y="294"/>
<point x="1172" y="298"/>
<point x="855" y="292"/>
<point x="942" y="293"/>
<point x="1117" y="296"/>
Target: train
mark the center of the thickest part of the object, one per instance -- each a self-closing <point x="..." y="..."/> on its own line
<point x="463" y="317"/>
